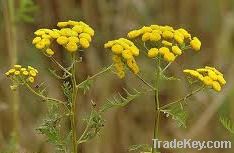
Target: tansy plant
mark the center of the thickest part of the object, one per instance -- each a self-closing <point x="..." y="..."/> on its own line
<point x="163" y="45"/>
<point x="74" y="37"/>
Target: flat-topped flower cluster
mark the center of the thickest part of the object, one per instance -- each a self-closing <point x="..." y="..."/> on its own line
<point x="72" y="35"/>
<point x="21" y="74"/>
<point x="209" y="76"/>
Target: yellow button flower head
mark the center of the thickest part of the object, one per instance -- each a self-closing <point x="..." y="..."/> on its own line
<point x="153" y="52"/>
<point x="176" y="50"/>
<point x="167" y="34"/>
<point x="132" y="65"/>
<point x="25" y="73"/>
<point x="36" y="40"/>
<point x="71" y="46"/>
<point x="124" y="52"/>
<point x="117" y="49"/>
<point x="209" y="76"/>
<point x="207" y="81"/>
<point x="49" y="52"/>
<point x="195" y="44"/>
<point x="146" y="36"/>
<point x="119" y="66"/>
<point x="31" y="79"/>
<point x="19" y="75"/>
<point x="134" y="34"/>
<point x="62" y="40"/>
<point x="216" y="86"/>
<point x="86" y="36"/>
<point x="155" y="36"/>
<point x="84" y="42"/>
<point x="169" y="57"/>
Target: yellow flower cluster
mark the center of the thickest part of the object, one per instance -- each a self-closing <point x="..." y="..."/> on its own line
<point x="71" y="36"/>
<point x="209" y="76"/>
<point x="22" y="74"/>
<point x="124" y="51"/>
<point x="169" y="41"/>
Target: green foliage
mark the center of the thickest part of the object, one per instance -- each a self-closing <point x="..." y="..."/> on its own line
<point x="228" y="124"/>
<point x="26" y="11"/>
<point x="178" y="114"/>
<point x="171" y="78"/>
<point x="118" y="100"/>
<point x="94" y="124"/>
<point x="140" y="148"/>
<point x="67" y="90"/>
<point x="50" y="128"/>
<point x="85" y="85"/>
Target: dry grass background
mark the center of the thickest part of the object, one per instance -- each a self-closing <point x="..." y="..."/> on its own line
<point x="211" y="20"/>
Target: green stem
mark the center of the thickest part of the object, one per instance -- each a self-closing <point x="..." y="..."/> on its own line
<point x="46" y="98"/>
<point x="145" y="82"/>
<point x="157" y="104"/>
<point x="74" y="112"/>
<point x="60" y="66"/>
<point x="96" y="75"/>
<point x="85" y="131"/>
<point x="182" y="99"/>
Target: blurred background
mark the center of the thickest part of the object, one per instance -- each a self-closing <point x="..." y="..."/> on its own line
<point x="210" y="20"/>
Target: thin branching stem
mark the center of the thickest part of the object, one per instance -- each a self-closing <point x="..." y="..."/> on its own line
<point x="97" y="74"/>
<point x="85" y="131"/>
<point x="60" y="66"/>
<point x="166" y="67"/>
<point x="74" y="112"/>
<point x="145" y="82"/>
<point x="182" y="99"/>
<point x="46" y="98"/>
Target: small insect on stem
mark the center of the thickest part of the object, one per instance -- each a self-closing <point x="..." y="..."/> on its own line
<point x="93" y="104"/>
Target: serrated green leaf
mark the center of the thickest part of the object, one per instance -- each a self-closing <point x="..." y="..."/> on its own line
<point x="228" y="124"/>
<point x="85" y="85"/>
<point x="94" y="124"/>
<point x="67" y="90"/>
<point x="118" y="100"/>
<point x="178" y="114"/>
<point x="50" y="127"/>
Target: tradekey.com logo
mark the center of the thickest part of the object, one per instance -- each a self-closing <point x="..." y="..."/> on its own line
<point x="191" y="144"/>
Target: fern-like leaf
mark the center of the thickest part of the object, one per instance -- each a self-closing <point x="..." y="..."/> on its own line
<point x="67" y="90"/>
<point x="178" y="114"/>
<point x="228" y="124"/>
<point x="94" y="124"/>
<point x="85" y="85"/>
<point x="50" y="127"/>
<point x="118" y="100"/>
